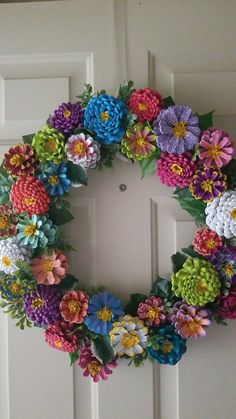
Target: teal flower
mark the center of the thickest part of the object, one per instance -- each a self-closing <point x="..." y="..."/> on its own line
<point x="55" y="179"/>
<point x="166" y="346"/>
<point x="10" y="288"/>
<point x="36" y="231"/>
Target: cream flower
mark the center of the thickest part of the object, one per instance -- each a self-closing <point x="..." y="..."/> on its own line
<point x="221" y="214"/>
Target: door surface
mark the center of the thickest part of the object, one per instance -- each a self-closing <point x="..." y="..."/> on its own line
<point x="183" y="48"/>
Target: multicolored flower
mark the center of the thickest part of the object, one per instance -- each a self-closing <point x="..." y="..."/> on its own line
<point x="67" y="117"/>
<point x="175" y="170"/>
<point x="7" y="221"/>
<point x="11" y="252"/>
<point x="177" y="129"/>
<point x="138" y="142"/>
<point x="197" y="282"/>
<point x="20" y="160"/>
<point x="11" y="288"/>
<point x="60" y="336"/>
<point x="83" y="150"/>
<point x="74" y="306"/>
<point x="129" y="336"/>
<point x="221" y="214"/>
<point x="146" y="104"/>
<point x="105" y="115"/>
<point x="36" y="231"/>
<point x="216" y="148"/>
<point x="207" y="184"/>
<point x="168" y="347"/>
<point x="227" y="305"/>
<point x="152" y="311"/>
<point x="92" y="366"/>
<point x="206" y="242"/>
<point x="42" y="305"/>
<point x="29" y="195"/>
<point x="50" y="268"/>
<point x="102" y="310"/>
<point x="224" y="262"/>
<point x="55" y="179"/>
<point x="49" y="145"/>
<point x="189" y="321"/>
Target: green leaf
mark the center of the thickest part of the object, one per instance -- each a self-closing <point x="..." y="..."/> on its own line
<point x="206" y="120"/>
<point x="196" y="208"/>
<point x="190" y="252"/>
<point x="195" y="152"/>
<point x="68" y="282"/>
<point x="178" y="260"/>
<point x="162" y="288"/>
<point x="103" y="349"/>
<point x="27" y="139"/>
<point x="86" y="95"/>
<point x="108" y="153"/>
<point x="4" y="198"/>
<point x="135" y="300"/>
<point x="168" y="101"/>
<point x="148" y="165"/>
<point x="230" y="172"/>
<point x="73" y="357"/>
<point x="59" y="216"/>
<point x="77" y="174"/>
<point x="126" y="90"/>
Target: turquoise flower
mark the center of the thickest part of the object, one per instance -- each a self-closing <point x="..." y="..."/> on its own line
<point x="10" y="288"/>
<point x="166" y="347"/>
<point x="36" y="231"/>
<point x="55" y="179"/>
<point x="102" y="311"/>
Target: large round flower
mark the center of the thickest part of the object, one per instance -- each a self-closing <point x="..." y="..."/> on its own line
<point x="216" y="148"/>
<point x="175" y="170"/>
<point x="227" y="305"/>
<point x="20" y="160"/>
<point x="129" y="336"/>
<point x="102" y="310"/>
<point x="197" y="282"/>
<point x="7" y="221"/>
<point x="74" y="306"/>
<point x="67" y="117"/>
<point x="11" y="288"/>
<point x="83" y="150"/>
<point x="92" y="366"/>
<point x="206" y="242"/>
<point x="221" y="214"/>
<point x="49" y="145"/>
<point x="36" y="231"/>
<point x="139" y="142"/>
<point x="50" y="268"/>
<point x="207" y="184"/>
<point x="152" y="311"/>
<point x="11" y="252"/>
<point x="60" y="336"/>
<point x="105" y="116"/>
<point x="146" y="104"/>
<point x="189" y="321"/>
<point x="42" y="305"/>
<point x="168" y="346"/>
<point x="224" y="262"/>
<point x="29" y="195"/>
<point x="55" y="179"/>
<point x="177" y="129"/>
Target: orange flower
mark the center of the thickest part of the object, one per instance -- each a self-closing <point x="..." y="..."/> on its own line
<point x="74" y="306"/>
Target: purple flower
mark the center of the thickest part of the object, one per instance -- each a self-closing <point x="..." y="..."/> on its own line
<point x="67" y="117"/>
<point x="42" y="305"/>
<point x="207" y="184"/>
<point x="177" y="129"/>
<point x="189" y="321"/>
<point x="224" y="262"/>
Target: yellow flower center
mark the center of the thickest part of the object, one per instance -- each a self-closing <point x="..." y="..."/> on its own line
<point x="233" y="213"/>
<point x="129" y="339"/>
<point x="153" y="312"/>
<point x="210" y="244"/>
<point x="47" y="266"/>
<point x="16" y="160"/>
<point x="37" y="303"/>
<point x="228" y="269"/>
<point x="15" y="288"/>
<point x="104" y="116"/>
<point x="141" y="141"/>
<point x="142" y="106"/>
<point x="51" y="145"/>
<point x="167" y="347"/>
<point x="4" y="221"/>
<point x="177" y="169"/>
<point x="6" y="261"/>
<point x="94" y="368"/>
<point x="200" y="286"/>
<point x="74" y="306"/>
<point x="214" y="151"/>
<point x="30" y="230"/>
<point x="79" y="148"/>
<point x="193" y="325"/>
<point x="53" y="180"/>
<point x="66" y="113"/>
<point x="105" y="314"/>
<point x="29" y="201"/>
<point x="207" y="185"/>
<point x="58" y="344"/>
<point x="179" y="129"/>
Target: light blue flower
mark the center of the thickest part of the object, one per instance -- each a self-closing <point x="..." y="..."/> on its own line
<point x="36" y="231"/>
<point x="167" y="347"/>
<point x="55" y="179"/>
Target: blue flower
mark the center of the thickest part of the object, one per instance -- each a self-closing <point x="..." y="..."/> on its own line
<point x="55" y="179"/>
<point x="10" y="288"/>
<point x="102" y="311"/>
<point x="166" y="346"/>
<point x="36" y="231"/>
<point x="105" y="115"/>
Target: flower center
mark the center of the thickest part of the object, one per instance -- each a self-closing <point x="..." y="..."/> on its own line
<point x="153" y="312"/>
<point x="142" y="106"/>
<point x="193" y="325"/>
<point x="233" y="213"/>
<point x="16" y="160"/>
<point x="215" y="151"/>
<point x="53" y="180"/>
<point x="37" y="303"/>
<point x="179" y="129"/>
<point x="141" y="141"/>
<point x="74" y="306"/>
<point x="228" y="269"/>
<point x="47" y="266"/>
<point x="177" y="169"/>
<point x="58" y="344"/>
<point x="207" y="185"/>
<point x="79" y="147"/>
<point x="30" y="230"/>
<point x="15" y="288"/>
<point x="210" y="244"/>
<point x="6" y="261"/>
<point x="200" y="286"/>
<point x="167" y="347"/>
<point x="66" y="113"/>
<point x="94" y="368"/>
<point x="51" y="145"/>
<point x="104" y="116"/>
<point x="3" y="222"/>
<point x="105" y="314"/>
<point x="29" y="201"/>
<point x="130" y="339"/>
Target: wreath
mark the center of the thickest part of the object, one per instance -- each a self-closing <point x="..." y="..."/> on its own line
<point x="93" y="325"/>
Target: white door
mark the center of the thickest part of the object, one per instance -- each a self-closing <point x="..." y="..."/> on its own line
<point x="183" y="48"/>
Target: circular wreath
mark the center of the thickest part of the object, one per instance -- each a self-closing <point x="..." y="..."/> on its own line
<point x="93" y="326"/>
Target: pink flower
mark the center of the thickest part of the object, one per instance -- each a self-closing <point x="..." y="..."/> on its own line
<point x="189" y="321"/>
<point x="215" y="148"/>
<point x="151" y="311"/>
<point x="59" y="336"/>
<point x="206" y="242"/>
<point x="176" y="169"/>
<point x="146" y="104"/>
<point x="139" y="142"/>
<point x="92" y="366"/>
<point x="50" y="269"/>
<point x="227" y="304"/>
<point x="74" y="306"/>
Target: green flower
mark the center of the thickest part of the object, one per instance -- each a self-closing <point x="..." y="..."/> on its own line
<point x="197" y="282"/>
<point x="49" y="145"/>
<point x="36" y="231"/>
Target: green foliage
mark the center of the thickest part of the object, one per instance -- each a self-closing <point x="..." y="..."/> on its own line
<point x="131" y="119"/>
<point x="6" y="182"/>
<point x="162" y="288"/>
<point x="206" y="120"/>
<point x="148" y="165"/>
<point x="59" y="212"/>
<point x="135" y="300"/>
<point x="27" y="139"/>
<point x="168" y="101"/>
<point x="86" y="95"/>
<point x="108" y="153"/>
<point x="25" y="276"/>
<point x="103" y="349"/>
<point x="16" y="311"/>
<point x="73" y="357"/>
<point x="195" y="152"/>
<point x="190" y="252"/>
<point x="178" y="260"/>
<point x="68" y="283"/>
<point x="125" y="90"/>
<point x="137" y="360"/>
<point x="230" y="172"/>
<point x="196" y="208"/>
<point x="77" y="174"/>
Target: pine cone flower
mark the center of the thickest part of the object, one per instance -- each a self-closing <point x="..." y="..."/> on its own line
<point x="224" y="262"/>
<point x="92" y="366"/>
<point x="36" y="231"/>
<point x="42" y="305"/>
<point x="139" y="142"/>
<point x="67" y="117"/>
<point x="83" y="150"/>
<point x="60" y="336"/>
<point x="74" y="306"/>
<point x="49" y="145"/>
<point x="227" y="305"/>
<point x="7" y="221"/>
<point x="197" y="282"/>
<point x="216" y="148"/>
<point x="11" y="288"/>
<point x="206" y="242"/>
<point x="166" y="347"/>
<point x="55" y="179"/>
<point x="50" y="269"/>
<point x="189" y="321"/>
<point x="151" y="311"/>
<point x="146" y="104"/>
<point x="11" y="252"/>
<point x="29" y="195"/>
<point x="221" y="214"/>
<point x="175" y="170"/>
<point x="208" y="184"/>
<point x="20" y="160"/>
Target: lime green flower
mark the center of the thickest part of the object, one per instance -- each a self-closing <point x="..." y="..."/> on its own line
<point x="49" y="145"/>
<point x="197" y="282"/>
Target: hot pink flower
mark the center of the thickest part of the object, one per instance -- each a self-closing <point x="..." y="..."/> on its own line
<point x="146" y="104"/>
<point x="215" y="148"/>
<point x="227" y="304"/>
<point x="59" y="336"/>
<point x="206" y="242"/>
<point x="92" y="366"/>
<point x="176" y="170"/>
<point x="151" y="311"/>
<point x="50" y="269"/>
<point x="74" y="306"/>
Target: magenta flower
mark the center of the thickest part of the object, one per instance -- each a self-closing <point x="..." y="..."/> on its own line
<point x="189" y="321"/>
<point x="175" y="170"/>
<point x="60" y="336"/>
<point x="206" y="241"/>
<point x="216" y="148"/>
<point x="227" y="305"/>
<point x="92" y="366"/>
<point x="152" y="311"/>
<point x="139" y="142"/>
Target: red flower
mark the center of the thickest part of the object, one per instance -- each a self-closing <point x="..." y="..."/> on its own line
<point x="59" y="336"/>
<point x="20" y="160"/>
<point x="74" y="306"/>
<point x="146" y="104"/>
<point x="8" y="221"/>
<point x="206" y="242"/>
<point x="29" y="195"/>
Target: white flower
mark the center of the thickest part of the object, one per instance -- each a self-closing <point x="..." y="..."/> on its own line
<point x="10" y="252"/>
<point x="221" y="214"/>
<point x="129" y="336"/>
